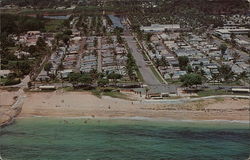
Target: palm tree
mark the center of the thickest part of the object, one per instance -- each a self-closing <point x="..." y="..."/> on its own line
<point x="243" y="76"/>
<point x="236" y="56"/>
<point x="146" y="89"/>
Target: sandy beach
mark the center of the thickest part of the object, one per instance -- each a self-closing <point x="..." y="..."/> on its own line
<point x="81" y="104"/>
<point x="84" y="104"/>
<point x="7" y="99"/>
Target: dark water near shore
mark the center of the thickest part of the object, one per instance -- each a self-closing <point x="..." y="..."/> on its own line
<point x="81" y="139"/>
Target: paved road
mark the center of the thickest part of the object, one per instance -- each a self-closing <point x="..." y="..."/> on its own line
<point x="145" y="70"/>
<point x="23" y="84"/>
<point x="149" y="78"/>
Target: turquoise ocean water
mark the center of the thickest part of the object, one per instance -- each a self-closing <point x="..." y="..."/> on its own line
<point x="118" y="139"/>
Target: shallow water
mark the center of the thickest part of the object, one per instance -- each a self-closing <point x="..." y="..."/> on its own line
<point x="105" y="139"/>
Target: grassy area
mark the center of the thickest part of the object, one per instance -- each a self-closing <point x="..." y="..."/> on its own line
<point x="212" y="93"/>
<point x="174" y="97"/>
<point x="116" y="95"/>
<point x="139" y="75"/>
<point x="144" y="56"/>
<point x="236" y="83"/>
<point x="99" y="92"/>
<point x="3" y="80"/>
<point x="172" y="81"/>
<point x="10" y="89"/>
<point x="156" y="74"/>
<point x="72" y="89"/>
<point x="54" y="25"/>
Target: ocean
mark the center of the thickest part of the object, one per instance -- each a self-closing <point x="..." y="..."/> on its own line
<point x="123" y="139"/>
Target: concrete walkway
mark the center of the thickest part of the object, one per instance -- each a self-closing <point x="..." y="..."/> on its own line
<point x="184" y="100"/>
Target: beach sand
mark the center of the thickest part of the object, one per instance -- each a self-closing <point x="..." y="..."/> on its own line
<point x="84" y="104"/>
<point x="7" y="98"/>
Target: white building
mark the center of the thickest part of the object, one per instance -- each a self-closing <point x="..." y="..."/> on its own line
<point x="225" y="33"/>
<point x="160" y="27"/>
<point x="65" y="73"/>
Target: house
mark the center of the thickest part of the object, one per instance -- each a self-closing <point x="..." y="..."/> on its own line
<point x="225" y="33"/>
<point x="65" y="73"/>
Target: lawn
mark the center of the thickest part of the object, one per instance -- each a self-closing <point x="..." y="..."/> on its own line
<point x="173" y="81"/>
<point x="99" y="92"/>
<point x="116" y="95"/>
<point x="139" y="75"/>
<point x="212" y="93"/>
<point x="156" y="74"/>
<point x="3" y="80"/>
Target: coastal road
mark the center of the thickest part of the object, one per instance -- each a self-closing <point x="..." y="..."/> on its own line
<point x="145" y="70"/>
<point x="149" y="77"/>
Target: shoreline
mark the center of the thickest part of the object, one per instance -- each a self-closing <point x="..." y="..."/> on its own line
<point x="155" y="119"/>
<point x="85" y="105"/>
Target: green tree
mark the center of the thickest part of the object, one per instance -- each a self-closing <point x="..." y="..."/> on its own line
<point x="164" y="62"/>
<point x="148" y="36"/>
<point x="48" y="67"/>
<point x="183" y="62"/>
<point x="235" y="56"/>
<point x="41" y="42"/>
<point x="114" y="76"/>
<point x="94" y="74"/>
<point x="58" y="37"/>
<point x="189" y="69"/>
<point x="243" y="76"/>
<point x="74" y="78"/>
<point x="119" y="39"/>
<point x="67" y="32"/>
<point x="223" y="48"/>
<point x="32" y="49"/>
<point x="85" y="79"/>
<point x="95" y="42"/>
<point x="215" y="77"/>
<point x="66" y="39"/>
<point x="102" y="82"/>
<point x="171" y="75"/>
<point x="232" y="36"/>
<point x="191" y="79"/>
<point x="20" y="67"/>
<point x="29" y="85"/>
<point x="225" y="72"/>
<point x="147" y="90"/>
